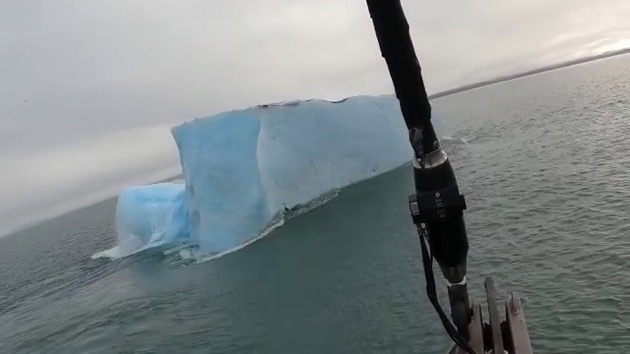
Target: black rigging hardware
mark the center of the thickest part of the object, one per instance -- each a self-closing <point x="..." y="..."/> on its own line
<point x="437" y="206"/>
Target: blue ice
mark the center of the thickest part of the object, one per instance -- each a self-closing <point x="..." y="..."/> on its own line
<point x="244" y="168"/>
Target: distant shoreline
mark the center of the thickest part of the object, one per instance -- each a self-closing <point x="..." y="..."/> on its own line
<point x="529" y="73"/>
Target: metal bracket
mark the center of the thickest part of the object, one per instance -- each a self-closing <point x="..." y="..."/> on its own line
<point x="498" y="336"/>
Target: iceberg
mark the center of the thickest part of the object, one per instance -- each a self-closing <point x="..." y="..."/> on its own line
<point x="243" y="169"/>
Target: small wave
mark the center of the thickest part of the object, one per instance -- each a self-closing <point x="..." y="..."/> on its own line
<point x="190" y="253"/>
<point x="184" y="251"/>
<point x="201" y="259"/>
<point x="117" y="252"/>
<point x="462" y="140"/>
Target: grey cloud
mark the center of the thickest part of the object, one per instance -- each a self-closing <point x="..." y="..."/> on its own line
<point x="73" y="72"/>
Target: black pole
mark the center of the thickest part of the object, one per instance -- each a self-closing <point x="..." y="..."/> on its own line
<point x="436" y="207"/>
<point x="392" y="31"/>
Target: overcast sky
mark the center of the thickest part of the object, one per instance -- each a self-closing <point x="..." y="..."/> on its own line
<point x="89" y="89"/>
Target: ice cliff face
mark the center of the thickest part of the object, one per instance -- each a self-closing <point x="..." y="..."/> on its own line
<point x="243" y="168"/>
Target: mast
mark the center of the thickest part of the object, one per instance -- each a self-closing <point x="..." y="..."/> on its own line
<point x="436" y="206"/>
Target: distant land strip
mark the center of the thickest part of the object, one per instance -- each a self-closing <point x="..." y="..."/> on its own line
<point x="529" y="73"/>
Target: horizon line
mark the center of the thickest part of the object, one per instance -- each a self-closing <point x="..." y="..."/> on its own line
<point x="530" y="72"/>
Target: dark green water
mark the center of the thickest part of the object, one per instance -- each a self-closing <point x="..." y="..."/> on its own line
<point x="543" y="162"/>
